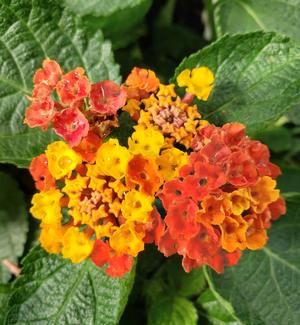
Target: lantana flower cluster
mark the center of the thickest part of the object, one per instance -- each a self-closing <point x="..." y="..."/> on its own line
<point x="97" y="198"/>
<point x="223" y="201"/>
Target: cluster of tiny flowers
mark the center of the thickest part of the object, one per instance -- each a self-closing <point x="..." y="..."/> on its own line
<point x="96" y="197"/>
<point x="154" y="105"/>
<point x="81" y="107"/>
<point x="223" y="200"/>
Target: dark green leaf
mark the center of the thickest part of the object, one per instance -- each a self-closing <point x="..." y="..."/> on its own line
<point x="216" y="311"/>
<point x="241" y="16"/>
<point x="277" y="138"/>
<point x="13" y="223"/>
<point x="184" y="284"/>
<point x="118" y="19"/>
<point x="31" y="31"/>
<point x="257" y="78"/>
<point x="52" y="290"/>
<point x="172" y="311"/>
<point x="4" y="295"/>
<point x="264" y="287"/>
<point x="125" y="129"/>
<point x="289" y="180"/>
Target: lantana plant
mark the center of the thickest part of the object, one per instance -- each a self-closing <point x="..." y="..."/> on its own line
<point x="98" y="199"/>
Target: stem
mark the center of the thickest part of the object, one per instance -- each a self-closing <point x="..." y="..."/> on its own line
<point x="13" y="268"/>
<point x="210" y="12"/>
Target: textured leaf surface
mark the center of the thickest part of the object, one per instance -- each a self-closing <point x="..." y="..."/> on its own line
<point x="52" y="290"/>
<point x="13" y="223"/>
<point x="4" y="294"/>
<point x="240" y="16"/>
<point x="31" y="31"/>
<point x="172" y="311"/>
<point x="215" y="310"/>
<point x="117" y="18"/>
<point x="264" y="287"/>
<point x="257" y="78"/>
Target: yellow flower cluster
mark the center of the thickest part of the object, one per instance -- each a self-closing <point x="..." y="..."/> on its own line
<point x="109" y="200"/>
<point x="164" y="111"/>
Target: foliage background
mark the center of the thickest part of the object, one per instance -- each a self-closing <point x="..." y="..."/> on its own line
<point x="257" y="68"/>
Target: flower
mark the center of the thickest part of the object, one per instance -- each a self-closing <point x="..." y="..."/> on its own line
<point x="88" y="147"/>
<point x="107" y="97"/>
<point x="40" y="173"/>
<point x="76" y="245"/>
<point x="49" y="74"/>
<point x="263" y="193"/>
<point x="119" y="265"/>
<point x="112" y="159"/>
<point x="147" y="142"/>
<point x="223" y="200"/>
<point x="46" y="206"/>
<point x="169" y="163"/>
<point x="61" y="159"/>
<point x="142" y="171"/>
<point x="73" y="86"/>
<point x="140" y="83"/>
<point x="71" y="125"/>
<point x="198" y="82"/>
<point x="40" y="114"/>
<point x="101" y="253"/>
<point x="51" y="237"/>
<point x="233" y="231"/>
<point x="136" y="205"/>
<point x="126" y="240"/>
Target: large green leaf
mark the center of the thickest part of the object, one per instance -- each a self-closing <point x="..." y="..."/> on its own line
<point x="4" y="295"/>
<point x="52" y="290"/>
<point x="168" y="310"/>
<point x="240" y="16"/>
<point x="31" y="31"/>
<point x="264" y="287"/>
<point x="13" y="223"/>
<point x="218" y="312"/>
<point x="257" y="78"/>
<point x="117" y="18"/>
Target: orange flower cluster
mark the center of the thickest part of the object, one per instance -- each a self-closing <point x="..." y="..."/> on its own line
<point x="223" y="200"/>
<point x="96" y="196"/>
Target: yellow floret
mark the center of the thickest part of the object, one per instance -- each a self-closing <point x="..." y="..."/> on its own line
<point x="198" y="82"/>
<point x="46" y="206"/>
<point x="76" y="245"/>
<point x="136" y="205"/>
<point x="112" y="159"/>
<point x="125" y="240"/>
<point x="146" y="142"/>
<point x="62" y="160"/>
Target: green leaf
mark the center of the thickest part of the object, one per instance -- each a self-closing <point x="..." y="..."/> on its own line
<point x="241" y="16"/>
<point x="13" y="223"/>
<point x="125" y="129"/>
<point x="184" y="284"/>
<point x="118" y="19"/>
<point x="52" y="290"/>
<point x="264" y="287"/>
<point x="277" y="138"/>
<point x="215" y="310"/>
<point x="257" y="78"/>
<point x="172" y="311"/>
<point x="289" y="180"/>
<point x="31" y="31"/>
<point x="4" y="295"/>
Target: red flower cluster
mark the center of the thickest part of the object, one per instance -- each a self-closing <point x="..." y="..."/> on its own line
<point x="82" y="106"/>
<point x="223" y="200"/>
